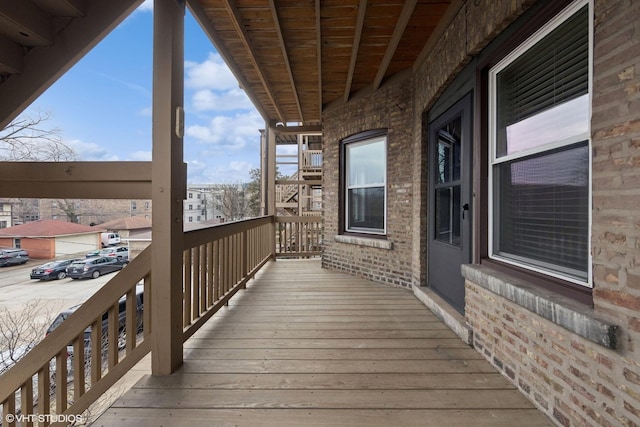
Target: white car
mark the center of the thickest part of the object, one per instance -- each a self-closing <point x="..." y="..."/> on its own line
<point x="121" y="252"/>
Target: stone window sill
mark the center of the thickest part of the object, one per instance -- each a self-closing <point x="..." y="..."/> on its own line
<point x="363" y="241"/>
<point x="575" y="317"/>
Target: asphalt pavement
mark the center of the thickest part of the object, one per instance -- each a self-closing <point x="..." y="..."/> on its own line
<point x="18" y="289"/>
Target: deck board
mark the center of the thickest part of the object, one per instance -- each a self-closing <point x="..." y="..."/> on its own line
<point x="303" y="346"/>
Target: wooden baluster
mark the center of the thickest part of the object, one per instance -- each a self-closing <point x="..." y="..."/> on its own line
<point x="216" y="270"/>
<point x="210" y="275"/>
<point x="195" y="285"/>
<point x="131" y="327"/>
<point x="96" y="350"/>
<point x="44" y="391"/>
<point x="148" y="306"/>
<point x="78" y="367"/>
<point x="26" y="401"/>
<point x="186" y="288"/>
<point x="61" y="381"/>
<point x="9" y="410"/>
<point x="112" y="336"/>
<point x="203" y="278"/>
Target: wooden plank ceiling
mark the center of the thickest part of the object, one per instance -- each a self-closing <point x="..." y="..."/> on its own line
<point x="295" y="57"/>
<point x="292" y="57"/>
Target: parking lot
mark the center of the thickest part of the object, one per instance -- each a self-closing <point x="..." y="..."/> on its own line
<point x="17" y="289"/>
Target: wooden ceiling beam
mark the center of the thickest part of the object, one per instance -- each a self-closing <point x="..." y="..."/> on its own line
<point x="319" y="56"/>
<point x="29" y="24"/>
<point x="77" y="6"/>
<point x="398" y="31"/>
<point x="236" y="19"/>
<point x="357" y="35"/>
<point x="285" y="56"/>
<point x="42" y="67"/>
<point x="11" y="56"/>
<point x="205" y="23"/>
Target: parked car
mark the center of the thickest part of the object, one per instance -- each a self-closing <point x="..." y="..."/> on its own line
<point x="122" y="312"/>
<point x="13" y="256"/>
<point x="95" y="267"/>
<point x="109" y="239"/>
<point x="52" y="270"/>
<point x="115" y="251"/>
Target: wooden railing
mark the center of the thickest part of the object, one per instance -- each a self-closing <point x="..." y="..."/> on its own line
<point x="311" y="159"/>
<point x="298" y="236"/>
<point x="66" y="372"/>
<point x="218" y="261"/>
<point x="70" y="368"/>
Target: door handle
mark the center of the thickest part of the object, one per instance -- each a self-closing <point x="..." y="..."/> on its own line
<point x="465" y="208"/>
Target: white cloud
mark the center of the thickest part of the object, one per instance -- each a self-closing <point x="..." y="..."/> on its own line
<point x="229" y="173"/>
<point x="208" y="100"/>
<point x="146" y="6"/>
<point x="226" y="132"/>
<point x="89" y="151"/>
<point x="140" y="156"/>
<point x="146" y="112"/>
<point x="212" y="74"/>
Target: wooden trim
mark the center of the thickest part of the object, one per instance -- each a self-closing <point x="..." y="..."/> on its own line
<point x="357" y="34"/>
<point x="236" y="21"/>
<point x="205" y="23"/>
<point x="285" y="56"/>
<point x="197" y="237"/>
<point x="398" y="31"/>
<point x="75" y="180"/>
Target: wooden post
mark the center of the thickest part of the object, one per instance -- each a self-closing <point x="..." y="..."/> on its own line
<point x="271" y="181"/>
<point x="168" y="184"/>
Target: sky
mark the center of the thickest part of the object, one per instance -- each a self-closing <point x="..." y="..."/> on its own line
<point x="102" y="106"/>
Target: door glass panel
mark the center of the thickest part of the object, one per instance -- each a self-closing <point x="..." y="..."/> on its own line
<point x="448" y="155"/>
<point x="447" y="192"/>
<point x="448" y="215"/>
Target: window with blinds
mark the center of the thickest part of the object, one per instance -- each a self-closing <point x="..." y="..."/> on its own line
<point x="540" y="150"/>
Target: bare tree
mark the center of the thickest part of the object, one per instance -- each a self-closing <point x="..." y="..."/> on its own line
<point x="234" y="203"/>
<point x="21" y="330"/>
<point x="27" y="139"/>
<point x="70" y="209"/>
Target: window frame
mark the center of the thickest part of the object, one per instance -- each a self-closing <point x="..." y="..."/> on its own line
<point x="362" y="138"/>
<point x="494" y="161"/>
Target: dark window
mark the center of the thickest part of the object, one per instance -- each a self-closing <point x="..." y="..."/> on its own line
<point x="540" y="164"/>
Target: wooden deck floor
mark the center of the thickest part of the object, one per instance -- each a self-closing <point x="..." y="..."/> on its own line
<point x="305" y="346"/>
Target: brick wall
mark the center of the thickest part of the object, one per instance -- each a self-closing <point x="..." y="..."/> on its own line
<point x="574" y="380"/>
<point x="389" y="108"/>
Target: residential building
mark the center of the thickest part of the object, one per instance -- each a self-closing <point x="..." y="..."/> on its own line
<point x="50" y="238"/>
<point x="6" y="213"/>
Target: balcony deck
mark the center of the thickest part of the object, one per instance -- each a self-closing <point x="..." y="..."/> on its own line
<point x="306" y="346"/>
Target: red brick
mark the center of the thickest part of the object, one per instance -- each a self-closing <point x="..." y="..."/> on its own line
<point x="620" y="299"/>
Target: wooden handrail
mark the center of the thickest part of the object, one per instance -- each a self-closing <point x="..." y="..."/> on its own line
<point x="54" y="347"/>
<point x="218" y="261"/>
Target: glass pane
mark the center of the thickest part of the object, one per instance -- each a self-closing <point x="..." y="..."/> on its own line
<point x="556" y="124"/>
<point x="366" y="209"/>
<point x="448" y="154"/>
<point x="544" y="210"/>
<point x="542" y="95"/>
<point x="447" y="208"/>
<point x="366" y="163"/>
